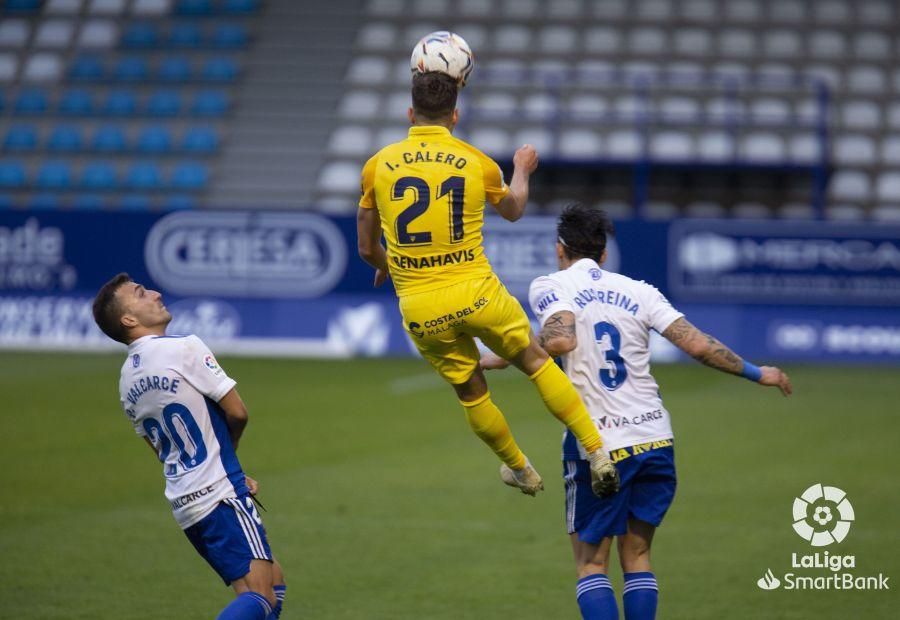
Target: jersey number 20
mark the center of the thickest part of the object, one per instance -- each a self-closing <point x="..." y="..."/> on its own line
<point x="614" y="374"/>
<point x="455" y="187"/>
<point x="180" y="429"/>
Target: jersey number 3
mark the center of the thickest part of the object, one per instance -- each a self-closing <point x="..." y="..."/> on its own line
<point x="454" y="187"/>
<point x="613" y="374"/>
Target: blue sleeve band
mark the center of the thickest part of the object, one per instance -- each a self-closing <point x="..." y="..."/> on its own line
<point x="751" y="372"/>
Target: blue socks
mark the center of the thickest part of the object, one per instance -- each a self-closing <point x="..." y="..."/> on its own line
<point x="279" y="594"/>
<point x="596" y="598"/>
<point x="247" y="606"/>
<point x="640" y="596"/>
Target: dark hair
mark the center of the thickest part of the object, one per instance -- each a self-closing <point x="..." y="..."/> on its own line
<point x="108" y="310"/>
<point x="434" y="95"/>
<point x="582" y="231"/>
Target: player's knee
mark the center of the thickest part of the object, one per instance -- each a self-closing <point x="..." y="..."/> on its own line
<point x="634" y="555"/>
<point x="592" y="567"/>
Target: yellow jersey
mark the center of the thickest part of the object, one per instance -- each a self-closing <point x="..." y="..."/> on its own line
<point x="430" y="191"/>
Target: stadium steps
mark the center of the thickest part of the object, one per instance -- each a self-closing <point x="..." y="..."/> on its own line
<point x="285" y="109"/>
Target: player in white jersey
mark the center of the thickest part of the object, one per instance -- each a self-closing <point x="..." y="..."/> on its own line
<point x="599" y="322"/>
<point x="188" y="411"/>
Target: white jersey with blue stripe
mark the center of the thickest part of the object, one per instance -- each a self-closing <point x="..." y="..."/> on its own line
<point x="170" y="388"/>
<point x="610" y="367"/>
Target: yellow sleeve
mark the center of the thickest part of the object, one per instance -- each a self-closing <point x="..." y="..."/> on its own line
<point x="367" y="191"/>
<point x="495" y="188"/>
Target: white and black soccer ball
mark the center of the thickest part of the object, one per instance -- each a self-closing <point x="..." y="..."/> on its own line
<point x="445" y="52"/>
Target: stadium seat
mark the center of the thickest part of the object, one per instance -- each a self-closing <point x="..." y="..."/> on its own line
<point x="154" y="140"/>
<point x="219" y="69"/>
<point x="87" y="202"/>
<point x="87" y="69"/>
<point x="890" y="151"/>
<point x="12" y="175"/>
<point x="22" y="6"/>
<point x="14" y="33"/>
<point x="163" y="103"/>
<point x="360" y="104"/>
<point x="44" y="201"/>
<point x="647" y="41"/>
<point x="98" y="34"/>
<point x="851" y="185"/>
<point x="382" y="36"/>
<point x="177" y="202"/>
<point x="350" y="140"/>
<point x="672" y="145"/>
<point x="623" y="144"/>
<point x="9" y="65"/>
<point x="580" y="144"/>
<point x="866" y="80"/>
<point x="210" y="103"/>
<point x="65" y="139"/>
<point x="174" y="69"/>
<point x="368" y="70"/>
<point x="831" y="12"/>
<point x="106" y="7"/>
<point x="888" y="188"/>
<point x="76" y="103"/>
<point x="135" y="202"/>
<point x="54" y="33"/>
<point x="762" y="148"/>
<point x="109" y="139"/>
<point x="339" y="176"/>
<point x="827" y="44"/>
<point x="63" y="7"/>
<point x="185" y="35"/>
<point x="131" y="69"/>
<point x="31" y="101"/>
<point x="200" y="141"/>
<point x="98" y="176"/>
<point x="54" y="175"/>
<point x="42" y="67"/>
<point x="854" y="149"/>
<point x="20" y="139"/>
<point x="231" y="36"/>
<point x="151" y="8"/>
<point x="715" y="146"/>
<point x="143" y="176"/>
<point x="512" y="39"/>
<point x="189" y="176"/>
<point x="193" y="7"/>
<point x="120" y="103"/>
<point x="886" y="213"/>
<point x="240" y="6"/>
<point x="141" y="35"/>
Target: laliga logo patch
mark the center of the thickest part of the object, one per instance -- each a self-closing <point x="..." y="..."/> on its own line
<point x="210" y="363"/>
<point x="822" y="515"/>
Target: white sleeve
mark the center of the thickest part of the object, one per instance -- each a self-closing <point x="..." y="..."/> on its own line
<point x="546" y="297"/>
<point x="660" y="313"/>
<point x="200" y="368"/>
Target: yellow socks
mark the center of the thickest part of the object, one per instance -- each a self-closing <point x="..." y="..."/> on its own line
<point x="562" y="400"/>
<point x="489" y="424"/>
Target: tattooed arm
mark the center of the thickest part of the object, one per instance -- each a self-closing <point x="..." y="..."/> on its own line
<point x="557" y="336"/>
<point x="709" y="351"/>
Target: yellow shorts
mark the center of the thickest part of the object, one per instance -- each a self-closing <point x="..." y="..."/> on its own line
<point x="443" y="324"/>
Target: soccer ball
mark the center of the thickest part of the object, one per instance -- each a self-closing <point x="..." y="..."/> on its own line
<point x="443" y="51"/>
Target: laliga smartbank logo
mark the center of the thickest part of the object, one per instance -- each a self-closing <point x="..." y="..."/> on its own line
<point x="822" y="516"/>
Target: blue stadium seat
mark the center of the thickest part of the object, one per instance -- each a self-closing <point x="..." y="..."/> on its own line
<point x="76" y="103"/>
<point x="87" y="69"/>
<point x="120" y="103"/>
<point x="65" y="139"/>
<point x="194" y="7"/>
<point x="109" y="139"/>
<point x="144" y="176"/>
<point x="240" y="6"/>
<point x="174" y="69"/>
<point x="20" y="139"/>
<point x="50" y="202"/>
<point x="99" y="176"/>
<point x="88" y="202"/>
<point x="31" y="101"/>
<point x="141" y="35"/>
<point x="135" y="202"/>
<point x="12" y="174"/>
<point x="219" y="69"/>
<point x="185" y="35"/>
<point x="154" y="140"/>
<point x="229" y="36"/>
<point x="22" y="6"/>
<point x="131" y="69"/>
<point x="210" y="103"/>
<point x="164" y="103"/>
<point x="189" y="176"/>
<point x="55" y="175"/>
<point x="178" y="202"/>
<point x="200" y="141"/>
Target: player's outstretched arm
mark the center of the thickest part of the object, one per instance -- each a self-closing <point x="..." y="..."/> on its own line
<point x="236" y="415"/>
<point x="525" y="161"/>
<point x="709" y="351"/>
<point x="368" y="231"/>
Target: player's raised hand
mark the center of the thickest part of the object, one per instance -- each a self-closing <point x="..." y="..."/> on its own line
<point x="252" y="485"/>
<point x="776" y="377"/>
<point x="381" y="277"/>
<point x="526" y="158"/>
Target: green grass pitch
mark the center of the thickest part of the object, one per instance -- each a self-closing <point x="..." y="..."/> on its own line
<point x="383" y="505"/>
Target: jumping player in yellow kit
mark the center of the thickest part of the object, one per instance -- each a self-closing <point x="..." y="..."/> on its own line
<point x="426" y="194"/>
